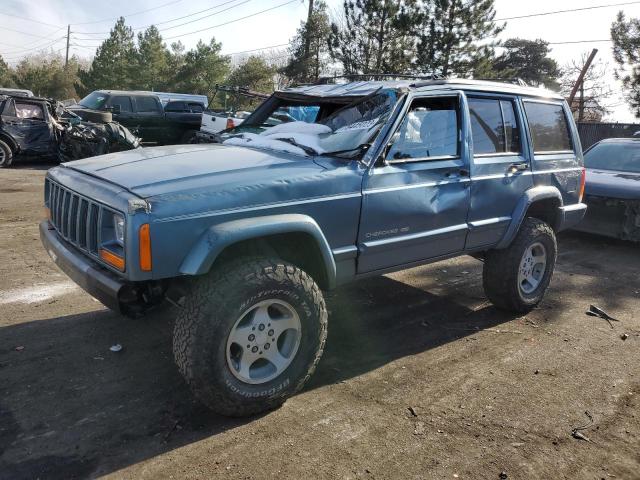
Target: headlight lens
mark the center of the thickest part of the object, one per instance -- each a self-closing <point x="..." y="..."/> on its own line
<point x="118" y="228"/>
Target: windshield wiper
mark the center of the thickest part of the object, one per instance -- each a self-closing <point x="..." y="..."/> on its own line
<point x="351" y="153"/>
<point x="308" y="150"/>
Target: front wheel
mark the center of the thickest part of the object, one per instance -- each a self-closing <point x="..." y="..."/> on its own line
<point x="250" y="335"/>
<point x="516" y="278"/>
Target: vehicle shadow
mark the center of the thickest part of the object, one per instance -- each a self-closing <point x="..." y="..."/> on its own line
<point x="33" y="163"/>
<point x="71" y="408"/>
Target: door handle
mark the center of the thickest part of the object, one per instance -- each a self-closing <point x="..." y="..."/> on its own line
<point x="518" y="167"/>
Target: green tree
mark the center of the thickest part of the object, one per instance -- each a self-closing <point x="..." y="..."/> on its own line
<point x="115" y="62"/>
<point x="6" y="79"/>
<point x="626" y="53"/>
<point x="374" y="36"/>
<point x="153" y="61"/>
<point x="254" y="74"/>
<point x="309" y="48"/>
<point x="455" y="36"/>
<point x="528" y="60"/>
<point x="202" y="69"/>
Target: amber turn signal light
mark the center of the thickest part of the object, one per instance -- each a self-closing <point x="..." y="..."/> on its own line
<point x="112" y="259"/>
<point x="144" y="241"/>
<point x="583" y="181"/>
<point x="47" y="213"/>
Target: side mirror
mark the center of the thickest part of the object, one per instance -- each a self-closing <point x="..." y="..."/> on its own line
<point x="115" y="109"/>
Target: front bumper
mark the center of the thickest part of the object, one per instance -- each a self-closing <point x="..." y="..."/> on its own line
<point x="571" y="215"/>
<point x="94" y="279"/>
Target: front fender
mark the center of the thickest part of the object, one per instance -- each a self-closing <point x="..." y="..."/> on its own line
<point x="211" y="243"/>
<point x="530" y="196"/>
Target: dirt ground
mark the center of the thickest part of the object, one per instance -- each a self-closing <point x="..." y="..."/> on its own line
<point x="421" y="377"/>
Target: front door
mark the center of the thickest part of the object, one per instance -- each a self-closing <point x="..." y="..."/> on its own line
<point x="416" y="198"/>
<point x="27" y="123"/>
<point x="501" y="169"/>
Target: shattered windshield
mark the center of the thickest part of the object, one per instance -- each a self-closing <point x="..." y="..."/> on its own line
<point x="319" y="129"/>
<point x="94" y="101"/>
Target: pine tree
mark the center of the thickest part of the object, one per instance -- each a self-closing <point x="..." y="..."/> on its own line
<point x="153" y="61"/>
<point x="374" y="36"/>
<point x="455" y="36"/>
<point x="115" y="62"/>
<point x="254" y="74"/>
<point x="626" y="53"/>
<point x="202" y="69"/>
<point x="528" y="60"/>
<point x="309" y="47"/>
<point x="5" y="74"/>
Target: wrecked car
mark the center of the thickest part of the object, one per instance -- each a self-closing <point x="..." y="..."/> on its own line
<point x="612" y="189"/>
<point x="241" y="238"/>
<point x="31" y="126"/>
<point x="142" y="113"/>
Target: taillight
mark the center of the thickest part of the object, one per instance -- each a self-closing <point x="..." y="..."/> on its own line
<point x="583" y="181"/>
<point x="230" y="123"/>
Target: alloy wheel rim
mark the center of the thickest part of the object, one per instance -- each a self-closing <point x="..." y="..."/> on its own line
<point x="532" y="268"/>
<point x="263" y="341"/>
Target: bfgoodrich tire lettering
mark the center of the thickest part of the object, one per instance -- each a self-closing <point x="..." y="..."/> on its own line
<point x="213" y="307"/>
<point x="501" y="268"/>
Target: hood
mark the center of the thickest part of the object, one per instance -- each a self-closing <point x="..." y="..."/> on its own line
<point x="150" y="172"/>
<point x="613" y="184"/>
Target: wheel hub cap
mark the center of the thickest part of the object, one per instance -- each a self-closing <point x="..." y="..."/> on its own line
<point x="263" y="341"/>
<point x="532" y="268"/>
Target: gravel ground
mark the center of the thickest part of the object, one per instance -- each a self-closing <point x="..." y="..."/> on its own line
<point x="421" y="378"/>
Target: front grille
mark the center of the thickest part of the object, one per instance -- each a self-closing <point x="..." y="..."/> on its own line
<point x="75" y="217"/>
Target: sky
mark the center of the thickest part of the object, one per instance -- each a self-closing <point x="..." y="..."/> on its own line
<point x="31" y="25"/>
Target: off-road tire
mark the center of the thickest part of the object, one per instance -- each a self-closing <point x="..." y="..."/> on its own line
<point x="210" y="310"/>
<point x="500" y="273"/>
<point x="95" y="116"/>
<point x="6" y="155"/>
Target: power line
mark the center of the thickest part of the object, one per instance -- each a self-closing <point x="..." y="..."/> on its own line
<point x="233" y="21"/>
<point x="130" y="14"/>
<point x="29" y="19"/>
<point x="565" y="11"/>
<point x="580" y="41"/>
<point x="171" y="19"/>
<point x="257" y="49"/>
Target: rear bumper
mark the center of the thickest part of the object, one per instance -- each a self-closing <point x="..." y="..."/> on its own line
<point x="94" y="279"/>
<point x="571" y="215"/>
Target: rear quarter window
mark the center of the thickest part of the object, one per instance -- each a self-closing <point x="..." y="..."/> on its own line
<point x="548" y="126"/>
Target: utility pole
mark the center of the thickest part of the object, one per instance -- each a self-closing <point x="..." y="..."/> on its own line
<point x="580" y="79"/>
<point x="307" y="40"/>
<point x="66" y="58"/>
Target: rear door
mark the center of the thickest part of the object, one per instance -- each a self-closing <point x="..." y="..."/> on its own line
<point x="150" y="119"/>
<point x="29" y="125"/>
<point x="416" y="198"/>
<point x="501" y="169"/>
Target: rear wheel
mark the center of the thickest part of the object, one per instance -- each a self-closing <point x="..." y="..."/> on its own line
<point x="516" y="278"/>
<point x="6" y="155"/>
<point x="250" y="335"/>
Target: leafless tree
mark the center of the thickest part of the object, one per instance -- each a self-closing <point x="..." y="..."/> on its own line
<point x="594" y="98"/>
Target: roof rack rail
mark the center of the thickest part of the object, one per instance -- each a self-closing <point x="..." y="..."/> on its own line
<point x="377" y="76"/>
<point x="515" y="80"/>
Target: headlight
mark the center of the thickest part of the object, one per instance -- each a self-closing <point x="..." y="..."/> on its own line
<point x="118" y="228"/>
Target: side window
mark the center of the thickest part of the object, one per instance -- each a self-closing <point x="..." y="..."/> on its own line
<point x="146" y="104"/>
<point x="548" y="126"/>
<point x="10" y="109"/>
<point x="124" y="102"/>
<point x="430" y="129"/>
<point x="29" y="111"/>
<point x="196" y="107"/>
<point x="493" y="126"/>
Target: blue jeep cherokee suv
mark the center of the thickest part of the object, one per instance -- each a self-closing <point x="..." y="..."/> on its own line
<point x="364" y="178"/>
